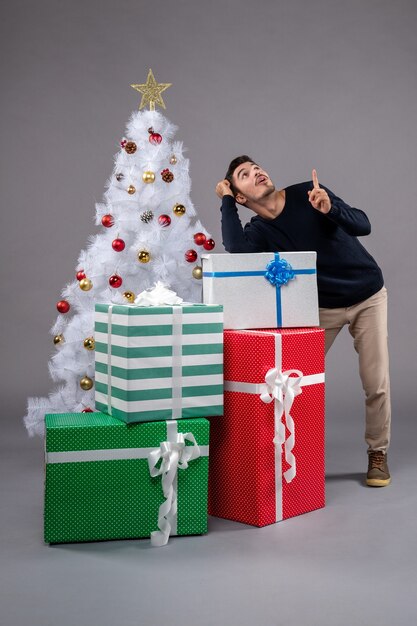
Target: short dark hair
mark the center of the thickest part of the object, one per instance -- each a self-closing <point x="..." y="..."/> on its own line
<point x="244" y="158"/>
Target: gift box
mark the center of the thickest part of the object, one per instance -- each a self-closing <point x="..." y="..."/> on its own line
<point x="267" y="452"/>
<point x="158" y="362"/>
<point x="263" y="290"/>
<point x="109" y="480"/>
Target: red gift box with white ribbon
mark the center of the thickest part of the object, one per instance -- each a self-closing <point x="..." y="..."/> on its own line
<point x="267" y="451"/>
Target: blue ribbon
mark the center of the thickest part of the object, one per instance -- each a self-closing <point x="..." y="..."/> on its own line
<point x="278" y="272"/>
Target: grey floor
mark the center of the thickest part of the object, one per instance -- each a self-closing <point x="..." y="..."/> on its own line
<point x="353" y="563"/>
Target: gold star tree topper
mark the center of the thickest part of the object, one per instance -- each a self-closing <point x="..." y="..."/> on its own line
<point x="151" y="92"/>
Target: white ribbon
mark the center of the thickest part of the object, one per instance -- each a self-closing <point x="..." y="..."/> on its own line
<point x="159" y="295"/>
<point x="173" y="454"/>
<point x="282" y="388"/>
<point x="109" y="322"/>
<point x="176" y="362"/>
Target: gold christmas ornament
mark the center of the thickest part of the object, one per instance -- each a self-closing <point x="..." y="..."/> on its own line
<point x="148" y="177"/>
<point x="58" y="339"/>
<point x="131" y="189"/>
<point x="151" y="92"/>
<point x="85" y="284"/>
<point x="144" y="256"/>
<point x="86" y="383"/>
<point x="198" y="272"/>
<point x="89" y="343"/>
<point x="173" y="160"/>
<point x="179" y="209"/>
<point x="129" y="296"/>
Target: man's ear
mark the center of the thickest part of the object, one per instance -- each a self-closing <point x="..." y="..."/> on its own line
<point x="240" y="198"/>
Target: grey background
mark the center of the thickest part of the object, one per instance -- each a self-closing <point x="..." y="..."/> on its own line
<point x="324" y="84"/>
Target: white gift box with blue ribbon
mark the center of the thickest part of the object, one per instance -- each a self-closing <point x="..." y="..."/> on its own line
<point x="263" y="290"/>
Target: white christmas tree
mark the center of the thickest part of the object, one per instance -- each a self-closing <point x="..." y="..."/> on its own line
<point x="148" y="233"/>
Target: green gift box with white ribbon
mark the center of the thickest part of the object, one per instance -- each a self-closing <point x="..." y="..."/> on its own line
<point x="108" y="480"/>
<point x="159" y="362"/>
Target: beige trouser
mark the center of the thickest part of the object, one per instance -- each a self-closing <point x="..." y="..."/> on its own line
<point x="367" y="323"/>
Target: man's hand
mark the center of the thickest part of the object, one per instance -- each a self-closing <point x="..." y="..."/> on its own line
<point x="319" y="198"/>
<point x="223" y="189"/>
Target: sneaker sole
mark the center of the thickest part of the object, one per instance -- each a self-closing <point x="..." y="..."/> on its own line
<point x="378" y="482"/>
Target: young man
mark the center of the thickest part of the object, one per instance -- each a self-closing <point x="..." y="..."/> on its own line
<point x="308" y="216"/>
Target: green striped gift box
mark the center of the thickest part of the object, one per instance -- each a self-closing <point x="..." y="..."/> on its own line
<point x="159" y="362"/>
<point x="98" y="484"/>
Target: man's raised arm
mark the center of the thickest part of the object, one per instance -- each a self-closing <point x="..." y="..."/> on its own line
<point x="235" y="238"/>
<point x="353" y="221"/>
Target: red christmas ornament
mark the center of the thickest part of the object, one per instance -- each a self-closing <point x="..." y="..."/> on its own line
<point x="209" y="244"/>
<point x="154" y="138"/>
<point x="123" y="142"/>
<point x="63" y="306"/>
<point x="199" y="239"/>
<point x="164" y="220"/>
<point x="80" y="275"/>
<point x="191" y="256"/>
<point x="118" y="245"/>
<point x="107" y="220"/>
<point x="115" y="281"/>
<point x="87" y="410"/>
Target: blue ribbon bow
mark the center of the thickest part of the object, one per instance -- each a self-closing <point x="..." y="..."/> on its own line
<point x="279" y="272"/>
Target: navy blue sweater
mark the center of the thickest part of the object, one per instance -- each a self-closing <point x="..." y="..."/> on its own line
<point x="346" y="272"/>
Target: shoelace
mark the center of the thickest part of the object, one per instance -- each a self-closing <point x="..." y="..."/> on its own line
<point x="376" y="459"/>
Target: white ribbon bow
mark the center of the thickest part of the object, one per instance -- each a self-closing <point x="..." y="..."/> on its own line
<point x="174" y="455"/>
<point x="159" y="295"/>
<point x="283" y="388"/>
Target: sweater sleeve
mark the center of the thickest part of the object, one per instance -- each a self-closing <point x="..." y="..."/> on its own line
<point x="235" y="237"/>
<point x="353" y="221"/>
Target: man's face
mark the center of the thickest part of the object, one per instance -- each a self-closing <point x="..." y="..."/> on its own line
<point x="251" y="182"/>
